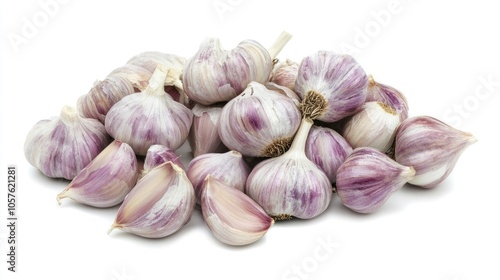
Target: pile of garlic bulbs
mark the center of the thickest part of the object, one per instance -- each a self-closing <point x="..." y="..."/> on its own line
<point x="270" y="141"/>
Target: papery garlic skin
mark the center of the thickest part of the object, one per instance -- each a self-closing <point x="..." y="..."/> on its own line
<point x="232" y="217"/>
<point x="388" y="95"/>
<point x="332" y="86"/>
<point x="160" y="204"/>
<point x="204" y="136"/>
<point x="229" y="168"/>
<point x="327" y="149"/>
<point x="137" y="76"/>
<point x="150" y="117"/>
<point x="285" y="73"/>
<point x="368" y="178"/>
<point x="214" y="75"/>
<point x="290" y="185"/>
<point x="107" y="179"/>
<point x="284" y="91"/>
<point x="373" y="126"/>
<point x="432" y="147"/>
<point x="63" y="146"/>
<point x="259" y="122"/>
<point x="159" y="154"/>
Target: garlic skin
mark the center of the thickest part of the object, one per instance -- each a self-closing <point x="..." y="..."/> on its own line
<point x="388" y="95"/>
<point x="62" y="146"/>
<point x="327" y="149"/>
<point x="150" y="117"/>
<point x="332" y="86"/>
<point x="159" y="205"/>
<point x="158" y="154"/>
<point x="285" y="73"/>
<point x="284" y="91"/>
<point x="259" y="122"/>
<point x="106" y="180"/>
<point x="232" y="217"/>
<point x="374" y="126"/>
<point x="368" y="178"/>
<point x="432" y="147"/>
<point x="229" y="168"/>
<point x="204" y="136"/>
<point x="290" y="185"/>
<point x="137" y="76"/>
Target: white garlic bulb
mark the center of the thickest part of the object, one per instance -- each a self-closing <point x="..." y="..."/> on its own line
<point x="150" y="117"/>
<point x="63" y="146"/>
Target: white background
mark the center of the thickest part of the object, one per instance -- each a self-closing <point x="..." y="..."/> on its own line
<point x="437" y="54"/>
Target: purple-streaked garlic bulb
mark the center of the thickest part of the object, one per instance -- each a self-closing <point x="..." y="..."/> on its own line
<point x="432" y="147"/>
<point x="368" y="178"/>
<point x="150" y="117"/>
<point x="157" y="155"/>
<point x="232" y="217"/>
<point x="388" y="95"/>
<point x="327" y="149"/>
<point x="290" y="185"/>
<point x="62" y="146"/>
<point x="204" y="136"/>
<point x="106" y="180"/>
<point x="259" y="122"/>
<point x="215" y="75"/>
<point x="332" y="86"/>
<point x="159" y="205"/>
<point x="230" y="168"/>
<point x="285" y="73"/>
<point x="373" y="126"/>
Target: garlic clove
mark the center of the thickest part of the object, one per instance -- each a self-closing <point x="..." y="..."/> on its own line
<point x="229" y="168"/>
<point x="159" y="205"/>
<point x="204" y="136"/>
<point x="63" y="146"/>
<point x="388" y="95"/>
<point x="368" y="178"/>
<point x="432" y="147"/>
<point x="232" y="217"/>
<point x="157" y="155"/>
<point x="290" y="185"/>
<point x="284" y="73"/>
<point x="374" y="126"/>
<point x="332" y="86"/>
<point x="259" y="122"/>
<point x="150" y="117"/>
<point x="106" y="180"/>
<point x="327" y="149"/>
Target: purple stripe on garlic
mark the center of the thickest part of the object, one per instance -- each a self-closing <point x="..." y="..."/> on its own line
<point x="388" y="95"/>
<point x="157" y="155"/>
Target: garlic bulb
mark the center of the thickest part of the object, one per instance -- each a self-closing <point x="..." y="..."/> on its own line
<point x="159" y="205"/>
<point x="204" y="136"/>
<point x="63" y="146"/>
<point x="285" y="73"/>
<point x="150" y="117"/>
<point x="327" y="149"/>
<point x="137" y="76"/>
<point x="374" y="126"/>
<point x="431" y="147"/>
<point x="215" y="75"/>
<point x="259" y="122"/>
<point x="229" y="168"/>
<point x="388" y="95"/>
<point x="332" y="86"/>
<point x="157" y="155"/>
<point x="232" y="216"/>
<point x="368" y="178"/>
<point x="106" y="180"/>
<point x="291" y="184"/>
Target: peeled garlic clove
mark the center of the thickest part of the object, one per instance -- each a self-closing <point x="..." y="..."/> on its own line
<point x="150" y="117"/>
<point x="233" y="217"/>
<point x="259" y="122"/>
<point x="285" y="73"/>
<point x="63" y="146"/>
<point x="368" y="178"/>
<point x="102" y="96"/>
<point x="388" y="95"/>
<point x="203" y="135"/>
<point x="106" y="180"/>
<point x="332" y="86"/>
<point x="290" y="185"/>
<point x="136" y="75"/>
<point x="230" y="168"/>
<point x="431" y="147"/>
<point x="327" y="149"/>
<point x="159" y="205"/>
<point x="157" y="155"/>
<point x="374" y="126"/>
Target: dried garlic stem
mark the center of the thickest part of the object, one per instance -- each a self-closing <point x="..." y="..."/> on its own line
<point x="279" y="44"/>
